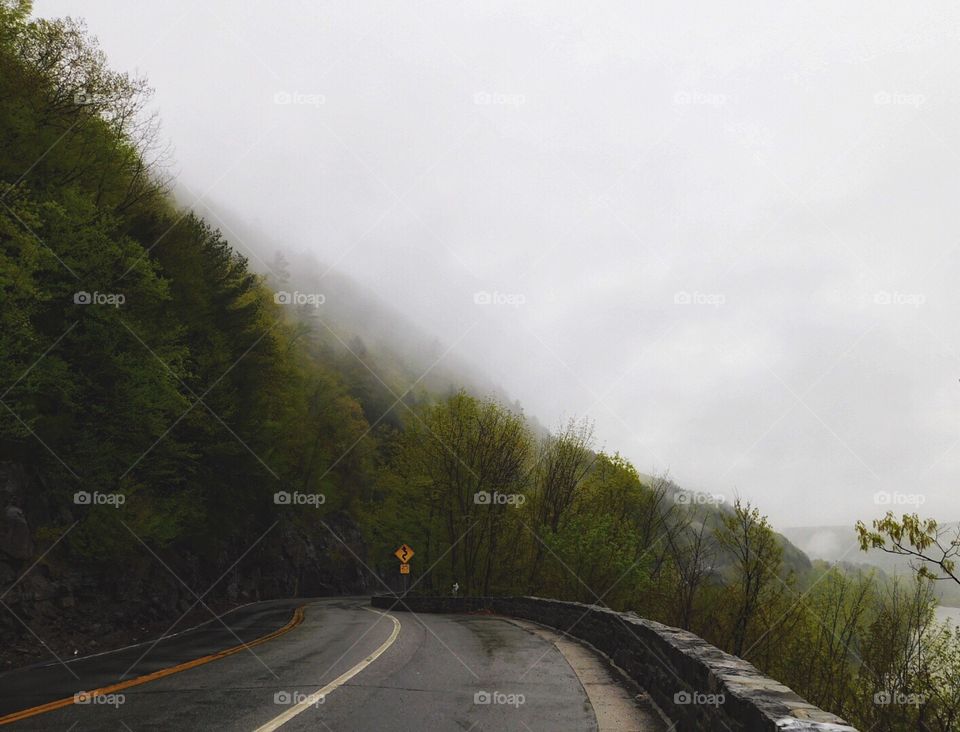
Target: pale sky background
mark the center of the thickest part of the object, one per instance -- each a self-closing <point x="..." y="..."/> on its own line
<point x="790" y="166"/>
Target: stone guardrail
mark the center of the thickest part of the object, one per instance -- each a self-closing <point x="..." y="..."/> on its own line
<point x="698" y="686"/>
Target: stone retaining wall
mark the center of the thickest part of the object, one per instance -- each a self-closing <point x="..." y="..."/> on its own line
<point x="696" y="684"/>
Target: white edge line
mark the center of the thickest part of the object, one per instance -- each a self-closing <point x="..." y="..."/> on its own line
<point x="343" y="678"/>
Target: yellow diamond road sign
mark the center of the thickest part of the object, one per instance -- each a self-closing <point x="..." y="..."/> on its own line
<point x="403" y="553"/>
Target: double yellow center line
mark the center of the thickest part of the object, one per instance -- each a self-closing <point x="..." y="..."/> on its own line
<point x="120" y="686"/>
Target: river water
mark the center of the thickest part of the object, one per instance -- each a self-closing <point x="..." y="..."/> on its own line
<point x="949" y="613"/>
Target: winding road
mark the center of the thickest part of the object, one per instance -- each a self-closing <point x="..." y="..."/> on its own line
<point x="333" y="664"/>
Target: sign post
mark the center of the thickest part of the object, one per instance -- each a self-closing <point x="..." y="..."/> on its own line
<point x="404" y="553"/>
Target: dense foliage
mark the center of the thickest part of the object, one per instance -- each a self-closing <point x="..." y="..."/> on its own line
<point x="140" y="354"/>
<point x="141" y="357"/>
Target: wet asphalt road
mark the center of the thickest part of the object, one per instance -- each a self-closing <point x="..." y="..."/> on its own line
<point x="434" y="672"/>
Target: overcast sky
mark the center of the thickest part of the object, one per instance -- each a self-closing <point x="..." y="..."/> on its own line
<point x="727" y="232"/>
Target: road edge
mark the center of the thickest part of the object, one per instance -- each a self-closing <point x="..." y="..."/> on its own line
<point x="297" y="618"/>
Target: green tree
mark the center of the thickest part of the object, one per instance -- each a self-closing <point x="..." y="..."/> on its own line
<point x="935" y="548"/>
<point x="757" y="559"/>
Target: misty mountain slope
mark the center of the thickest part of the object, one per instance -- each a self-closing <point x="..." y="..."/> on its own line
<point x="378" y="348"/>
<point x="375" y="342"/>
<point x="839" y="544"/>
<point x="372" y="341"/>
<point x="710" y="509"/>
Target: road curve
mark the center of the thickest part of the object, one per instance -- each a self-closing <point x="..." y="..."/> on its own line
<point x="376" y="671"/>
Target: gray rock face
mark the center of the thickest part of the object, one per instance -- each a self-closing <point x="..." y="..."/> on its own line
<point x="15" y="539"/>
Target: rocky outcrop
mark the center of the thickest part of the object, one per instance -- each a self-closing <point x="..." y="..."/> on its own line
<point x="15" y="539"/>
<point x="698" y="686"/>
